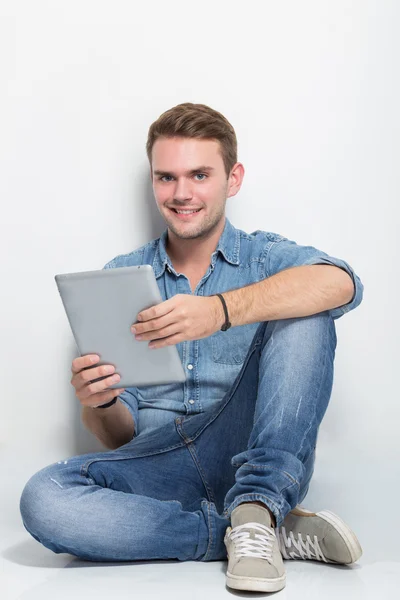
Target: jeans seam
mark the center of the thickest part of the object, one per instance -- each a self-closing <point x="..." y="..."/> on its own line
<point x="192" y="450"/>
<point x="210" y="532"/>
<point x="84" y="468"/>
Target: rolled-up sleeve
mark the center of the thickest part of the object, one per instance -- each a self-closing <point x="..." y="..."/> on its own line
<point x="283" y="253"/>
<point x="129" y="399"/>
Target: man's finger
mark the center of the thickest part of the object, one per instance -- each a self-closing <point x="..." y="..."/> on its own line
<point x="154" y="324"/>
<point x="162" y="332"/>
<point x="169" y="341"/>
<point x="158" y="310"/>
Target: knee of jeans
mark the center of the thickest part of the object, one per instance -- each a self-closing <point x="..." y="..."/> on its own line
<point x="318" y="328"/>
<point x="37" y="502"/>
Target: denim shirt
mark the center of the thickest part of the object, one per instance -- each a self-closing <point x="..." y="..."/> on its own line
<point x="212" y="363"/>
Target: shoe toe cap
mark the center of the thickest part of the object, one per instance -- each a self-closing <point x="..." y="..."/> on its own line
<point x="256" y="567"/>
<point x="337" y="549"/>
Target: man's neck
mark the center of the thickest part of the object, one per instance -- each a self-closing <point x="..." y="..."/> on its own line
<point x="193" y="253"/>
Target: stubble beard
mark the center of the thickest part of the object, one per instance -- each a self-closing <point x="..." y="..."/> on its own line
<point x="204" y="228"/>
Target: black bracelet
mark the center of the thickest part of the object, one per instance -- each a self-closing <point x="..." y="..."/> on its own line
<point x="113" y="401"/>
<point x="227" y="324"/>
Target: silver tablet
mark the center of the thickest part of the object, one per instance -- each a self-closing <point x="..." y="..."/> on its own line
<point x="101" y="307"/>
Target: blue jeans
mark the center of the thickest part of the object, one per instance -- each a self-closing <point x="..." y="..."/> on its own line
<point x="169" y="493"/>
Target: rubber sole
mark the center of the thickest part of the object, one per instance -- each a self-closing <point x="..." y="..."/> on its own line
<point x="347" y="534"/>
<point x="255" y="584"/>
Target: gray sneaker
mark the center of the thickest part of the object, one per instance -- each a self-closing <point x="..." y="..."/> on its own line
<point x="254" y="560"/>
<point x="319" y="536"/>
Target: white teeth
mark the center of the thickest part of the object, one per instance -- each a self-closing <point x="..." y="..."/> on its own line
<point x="186" y="212"/>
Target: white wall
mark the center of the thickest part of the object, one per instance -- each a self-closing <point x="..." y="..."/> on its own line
<point x="312" y="89"/>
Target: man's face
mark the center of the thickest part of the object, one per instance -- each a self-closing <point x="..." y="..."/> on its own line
<point x="189" y="173"/>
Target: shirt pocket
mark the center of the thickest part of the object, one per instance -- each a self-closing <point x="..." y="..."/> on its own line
<point x="230" y="347"/>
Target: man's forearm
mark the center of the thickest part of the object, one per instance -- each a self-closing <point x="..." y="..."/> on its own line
<point x="295" y="292"/>
<point x="113" y="426"/>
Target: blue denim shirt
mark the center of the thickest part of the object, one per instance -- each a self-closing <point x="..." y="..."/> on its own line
<point x="213" y="363"/>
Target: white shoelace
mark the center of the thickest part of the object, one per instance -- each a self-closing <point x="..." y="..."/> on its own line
<point x="304" y="548"/>
<point x="260" y="547"/>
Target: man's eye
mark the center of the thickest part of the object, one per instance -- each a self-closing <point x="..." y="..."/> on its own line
<point x="200" y="175"/>
<point x="164" y="176"/>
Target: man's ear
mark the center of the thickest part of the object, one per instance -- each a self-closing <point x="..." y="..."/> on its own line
<point x="235" y="179"/>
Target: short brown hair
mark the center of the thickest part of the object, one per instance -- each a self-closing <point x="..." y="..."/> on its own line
<point x="195" y="121"/>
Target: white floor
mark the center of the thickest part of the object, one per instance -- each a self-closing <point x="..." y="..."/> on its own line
<point x="29" y="571"/>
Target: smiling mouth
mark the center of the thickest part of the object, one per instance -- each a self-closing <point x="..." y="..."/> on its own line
<point x="185" y="212"/>
<point x="185" y="216"/>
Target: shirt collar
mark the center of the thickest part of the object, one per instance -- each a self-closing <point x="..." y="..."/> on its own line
<point x="228" y="246"/>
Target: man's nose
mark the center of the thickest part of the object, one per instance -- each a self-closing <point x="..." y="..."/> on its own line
<point x="182" y="189"/>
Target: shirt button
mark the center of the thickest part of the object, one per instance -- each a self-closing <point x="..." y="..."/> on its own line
<point x="191" y="401"/>
<point x="190" y="367"/>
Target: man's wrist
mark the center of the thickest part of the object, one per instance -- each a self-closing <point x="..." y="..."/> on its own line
<point x="219" y="313"/>
<point x="108" y="404"/>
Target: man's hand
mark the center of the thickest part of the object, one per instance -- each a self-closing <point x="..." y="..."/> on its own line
<point x="183" y="317"/>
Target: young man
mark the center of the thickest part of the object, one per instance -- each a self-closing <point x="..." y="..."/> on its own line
<point x="216" y="467"/>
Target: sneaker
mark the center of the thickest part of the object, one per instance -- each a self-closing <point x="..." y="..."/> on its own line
<point x="319" y="536"/>
<point x="254" y="560"/>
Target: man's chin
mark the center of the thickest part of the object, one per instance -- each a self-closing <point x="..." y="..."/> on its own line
<point x="186" y="234"/>
<point x="184" y="229"/>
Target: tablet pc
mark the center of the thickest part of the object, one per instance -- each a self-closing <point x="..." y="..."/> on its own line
<point x="101" y="307"/>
